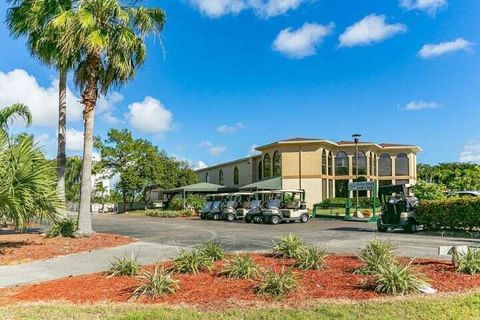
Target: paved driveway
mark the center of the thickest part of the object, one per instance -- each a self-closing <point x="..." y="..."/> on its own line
<point x="335" y="236"/>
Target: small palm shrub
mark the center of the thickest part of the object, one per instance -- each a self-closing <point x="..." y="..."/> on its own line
<point x="289" y="246"/>
<point x="65" y="228"/>
<point x="241" y="267"/>
<point x="376" y="254"/>
<point x="124" y="266"/>
<point x="311" y="258"/>
<point x="277" y="285"/>
<point x="469" y="262"/>
<point x="212" y="250"/>
<point x="192" y="262"/>
<point x="397" y="278"/>
<point x="156" y="283"/>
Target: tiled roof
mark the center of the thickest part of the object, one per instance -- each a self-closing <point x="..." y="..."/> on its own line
<point x="300" y="139"/>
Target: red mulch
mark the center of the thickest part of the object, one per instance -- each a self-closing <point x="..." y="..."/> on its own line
<point x="210" y="291"/>
<point x="21" y="248"/>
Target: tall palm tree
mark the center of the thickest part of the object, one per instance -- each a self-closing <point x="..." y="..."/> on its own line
<point x="111" y="41"/>
<point x="12" y="112"/>
<point x="31" y="18"/>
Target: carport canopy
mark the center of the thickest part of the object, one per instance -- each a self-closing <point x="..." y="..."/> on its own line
<point x="201" y="188"/>
<point x="270" y="184"/>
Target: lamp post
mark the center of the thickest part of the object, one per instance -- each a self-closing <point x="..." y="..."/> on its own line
<point x="356" y="139"/>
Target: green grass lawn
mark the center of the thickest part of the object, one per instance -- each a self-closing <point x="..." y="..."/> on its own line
<point x="456" y="307"/>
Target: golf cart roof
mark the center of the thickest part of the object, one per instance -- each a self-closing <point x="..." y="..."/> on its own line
<point x="470" y="193"/>
<point x="291" y="191"/>
<point x="262" y="192"/>
<point x="394" y="188"/>
<point x="242" y="194"/>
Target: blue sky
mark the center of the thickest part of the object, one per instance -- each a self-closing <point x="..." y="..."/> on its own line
<point x="240" y="73"/>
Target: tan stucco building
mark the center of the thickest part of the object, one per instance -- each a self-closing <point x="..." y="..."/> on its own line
<point x="321" y="167"/>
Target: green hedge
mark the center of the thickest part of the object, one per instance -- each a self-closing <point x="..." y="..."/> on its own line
<point x="455" y="214"/>
<point x="363" y="202"/>
<point x="168" y="213"/>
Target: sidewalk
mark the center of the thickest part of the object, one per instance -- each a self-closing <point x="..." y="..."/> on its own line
<point x="82" y="263"/>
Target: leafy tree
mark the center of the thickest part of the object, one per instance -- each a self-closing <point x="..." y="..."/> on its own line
<point x="12" y="112"/>
<point x="454" y="176"/>
<point x="31" y="18"/>
<point x="72" y="179"/>
<point x="428" y="191"/>
<point x="109" y="40"/>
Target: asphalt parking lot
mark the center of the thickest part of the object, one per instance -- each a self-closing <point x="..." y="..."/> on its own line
<point x="334" y="236"/>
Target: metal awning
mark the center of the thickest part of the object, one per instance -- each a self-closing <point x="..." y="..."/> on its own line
<point x="202" y="187"/>
<point x="270" y="184"/>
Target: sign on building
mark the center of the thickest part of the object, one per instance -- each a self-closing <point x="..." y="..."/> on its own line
<point x="361" y="186"/>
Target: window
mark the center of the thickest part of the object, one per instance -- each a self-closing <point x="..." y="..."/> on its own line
<point x="207" y="177"/>
<point x="277" y="165"/>
<point x="267" y="166"/>
<point x="341" y="189"/>
<point x="385" y="165"/>
<point x="341" y="164"/>
<point x="401" y="165"/>
<point x="220" y="177"/>
<point x="400" y="181"/>
<point x="260" y="170"/>
<point x="324" y="162"/>
<point x="362" y="163"/>
<point x="236" y="176"/>
<point x="330" y="164"/>
<point x="382" y="183"/>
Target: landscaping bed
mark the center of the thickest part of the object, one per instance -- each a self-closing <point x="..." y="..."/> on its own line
<point x="211" y="291"/>
<point x="22" y="248"/>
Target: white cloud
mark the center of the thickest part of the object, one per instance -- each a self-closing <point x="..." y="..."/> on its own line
<point x="302" y="42"/>
<point x="471" y="152"/>
<point x="199" y="165"/>
<point x="430" y="6"/>
<point x="371" y="29"/>
<point x="212" y="149"/>
<point x="42" y="139"/>
<point x="109" y="118"/>
<point x="263" y="8"/>
<point x="230" y="129"/>
<point x="18" y="86"/>
<point x="74" y="140"/>
<point x="420" y="105"/>
<point x="253" y="151"/>
<point x="435" y="50"/>
<point x="107" y="103"/>
<point x="149" y="116"/>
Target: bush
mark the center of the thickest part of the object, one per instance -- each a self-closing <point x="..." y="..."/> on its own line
<point x="311" y="258"/>
<point x="65" y="228"/>
<point x="363" y="202"/>
<point x="212" y="250"/>
<point x="454" y="214"/>
<point x="192" y="262"/>
<point x="277" y="285"/>
<point x="155" y="284"/>
<point x="469" y="262"/>
<point x="377" y="254"/>
<point x="176" y="204"/>
<point x="289" y="246"/>
<point x="428" y="191"/>
<point x="125" y="266"/>
<point x="168" y="213"/>
<point x="396" y="278"/>
<point x="242" y="267"/>
<point x="196" y="202"/>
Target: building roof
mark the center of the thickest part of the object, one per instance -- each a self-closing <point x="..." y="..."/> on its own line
<point x="202" y="187"/>
<point x="270" y="184"/>
<point x="227" y="163"/>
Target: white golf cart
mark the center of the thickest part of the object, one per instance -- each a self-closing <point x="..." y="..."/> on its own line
<point x="208" y="206"/>
<point x="219" y="203"/>
<point x="285" y="206"/>
<point x="237" y="207"/>
<point x="258" y="200"/>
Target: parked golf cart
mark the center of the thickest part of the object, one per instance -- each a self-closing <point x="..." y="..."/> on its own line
<point x="219" y="202"/>
<point x="258" y="200"/>
<point x="209" y="199"/>
<point x="237" y="207"/>
<point x="285" y="206"/>
<point x="398" y="209"/>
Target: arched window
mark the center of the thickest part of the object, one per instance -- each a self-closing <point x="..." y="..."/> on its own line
<point x="324" y="162"/>
<point x="385" y="165"/>
<point x="236" y="176"/>
<point x="277" y="165"/>
<point x="220" y="177"/>
<point x="260" y="170"/>
<point x="330" y="163"/>
<point x="341" y="164"/>
<point x="207" y="177"/>
<point x="362" y="163"/>
<point x="401" y="165"/>
<point x="267" y="166"/>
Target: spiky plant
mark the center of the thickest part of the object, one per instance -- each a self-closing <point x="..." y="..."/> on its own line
<point x="212" y="250"/>
<point x="241" y="267"/>
<point x="277" y="285"/>
<point x="64" y="227"/>
<point x="376" y="254"/>
<point x="469" y="262"/>
<point x="398" y="279"/>
<point x="156" y="283"/>
<point x="191" y="262"/>
<point x="289" y="246"/>
<point x="124" y="266"/>
<point x="311" y="258"/>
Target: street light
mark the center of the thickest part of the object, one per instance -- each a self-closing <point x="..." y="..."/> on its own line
<point x="356" y="139"/>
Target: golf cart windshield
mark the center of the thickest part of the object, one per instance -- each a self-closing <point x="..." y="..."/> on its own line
<point x="216" y="204"/>
<point x="255" y="203"/>
<point x="274" y="203"/>
<point x="207" y="205"/>
<point x="231" y="203"/>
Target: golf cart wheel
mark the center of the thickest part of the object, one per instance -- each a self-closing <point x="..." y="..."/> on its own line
<point x="230" y="217"/>
<point x="410" y="227"/>
<point x="275" y="220"/>
<point x="202" y="216"/>
<point x="304" y="218"/>
<point x="216" y="217"/>
<point x="248" y="219"/>
<point x="381" y="228"/>
<point x="257" y="219"/>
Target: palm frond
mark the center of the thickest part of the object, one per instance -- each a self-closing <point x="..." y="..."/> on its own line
<point x="15" y="111"/>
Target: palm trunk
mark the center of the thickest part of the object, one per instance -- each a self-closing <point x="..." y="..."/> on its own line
<point x="62" y="123"/>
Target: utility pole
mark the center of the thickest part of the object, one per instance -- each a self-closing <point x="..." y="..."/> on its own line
<point x="356" y="139"/>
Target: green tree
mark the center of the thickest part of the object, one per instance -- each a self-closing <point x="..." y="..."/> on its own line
<point x="31" y="19"/>
<point x="72" y="179"/>
<point x="12" y="112"/>
<point x="454" y="176"/>
<point x="110" y="41"/>
<point x="428" y="191"/>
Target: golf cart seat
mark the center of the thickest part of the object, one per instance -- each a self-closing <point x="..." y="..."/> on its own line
<point x="294" y="204"/>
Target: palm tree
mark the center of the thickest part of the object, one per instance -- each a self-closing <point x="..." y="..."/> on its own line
<point x="31" y="18"/>
<point x="12" y="112"/>
<point x="111" y="41"/>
